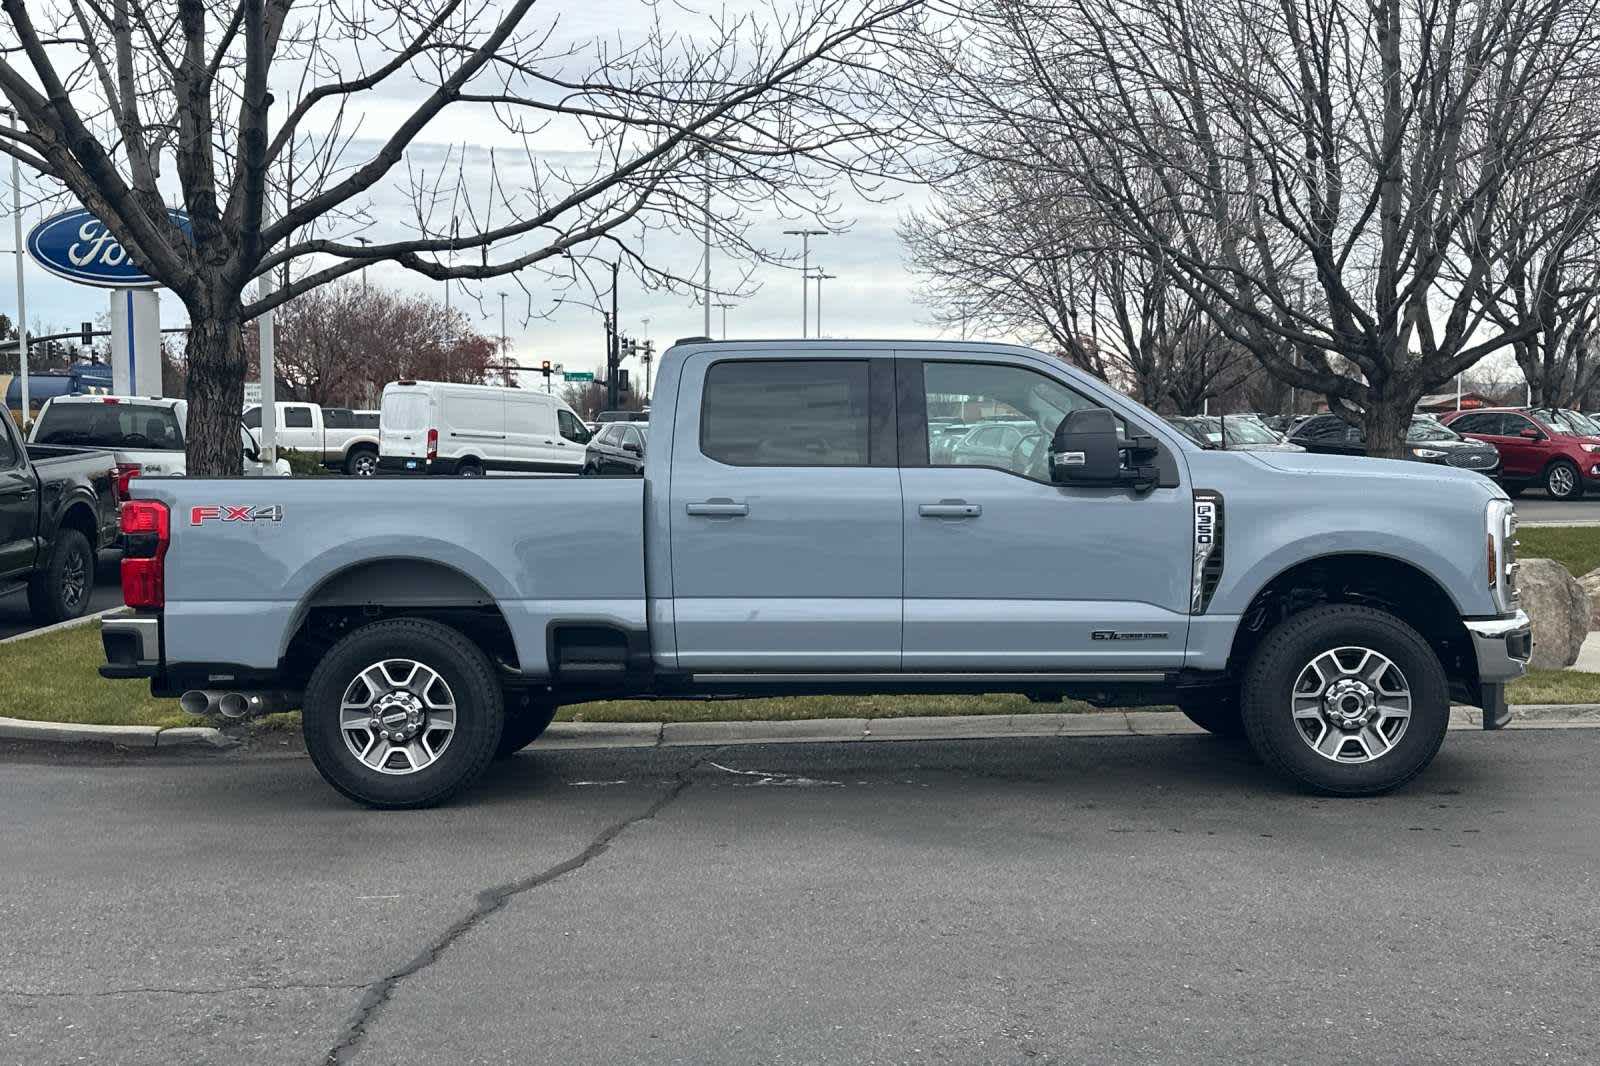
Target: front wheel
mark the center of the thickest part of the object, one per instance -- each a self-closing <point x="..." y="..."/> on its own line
<point x="402" y="713"/>
<point x="60" y="591"/>
<point x="1347" y="700"/>
<point x="1562" y="482"/>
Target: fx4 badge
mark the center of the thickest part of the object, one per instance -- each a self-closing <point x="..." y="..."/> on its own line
<point x="202" y="515"/>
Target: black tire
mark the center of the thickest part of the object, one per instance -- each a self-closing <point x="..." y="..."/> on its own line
<point x="363" y="462"/>
<point x="524" y="725"/>
<point x="459" y="663"/>
<point x="1288" y="649"/>
<point x="1216" y="710"/>
<point x="469" y="468"/>
<point x="1562" y="480"/>
<point x="60" y="591"/>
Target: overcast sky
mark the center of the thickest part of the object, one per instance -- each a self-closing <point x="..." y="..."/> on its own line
<point x="872" y="295"/>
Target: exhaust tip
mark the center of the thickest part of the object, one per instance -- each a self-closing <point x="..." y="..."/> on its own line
<point x="195" y="702"/>
<point x="234" y="705"/>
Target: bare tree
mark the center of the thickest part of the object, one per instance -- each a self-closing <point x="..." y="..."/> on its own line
<point x="1008" y="250"/>
<point x="263" y="113"/>
<point x="1362" y="149"/>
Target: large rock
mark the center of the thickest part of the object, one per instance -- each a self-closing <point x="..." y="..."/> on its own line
<point x="1559" y="607"/>
<point x="1591" y="585"/>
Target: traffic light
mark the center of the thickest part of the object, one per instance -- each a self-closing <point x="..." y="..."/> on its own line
<point x="544" y="368"/>
<point x="622" y="380"/>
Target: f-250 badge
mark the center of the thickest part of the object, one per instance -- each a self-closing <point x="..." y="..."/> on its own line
<point x="201" y="515"/>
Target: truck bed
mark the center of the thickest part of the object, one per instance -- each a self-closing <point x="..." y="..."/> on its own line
<point x="248" y="555"/>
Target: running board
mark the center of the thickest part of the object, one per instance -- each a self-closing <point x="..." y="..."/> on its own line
<point x="1056" y="678"/>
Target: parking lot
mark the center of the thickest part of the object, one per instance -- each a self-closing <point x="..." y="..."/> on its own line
<point x="14" y="617"/>
<point x="1107" y="900"/>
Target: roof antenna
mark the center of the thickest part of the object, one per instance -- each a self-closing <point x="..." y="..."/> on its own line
<point x="1222" y="422"/>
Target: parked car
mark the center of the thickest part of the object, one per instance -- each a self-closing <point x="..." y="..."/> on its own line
<point x="992" y="444"/>
<point x="623" y="416"/>
<point x="1427" y="441"/>
<point x="144" y="433"/>
<point x="1533" y="451"/>
<point x="942" y="436"/>
<point x="791" y="535"/>
<point x="617" y="449"/>
<point x="57" y="510"/>
<point x="328" y="433"/>
<point x="431" y="427"/>
<point x="1243" y="433"/>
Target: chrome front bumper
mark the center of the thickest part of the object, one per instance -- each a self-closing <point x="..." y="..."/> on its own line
<point x="1503" y="647"/>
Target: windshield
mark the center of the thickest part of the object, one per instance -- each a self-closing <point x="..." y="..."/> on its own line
<point x="1428" y="429"/>
<point x="120" y="426"/>
<point x="1569" y="421"/>
<point x="404" y="411"/>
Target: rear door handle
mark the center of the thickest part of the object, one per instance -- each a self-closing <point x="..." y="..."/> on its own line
<point x="950" y="509"/>
<point x="719" y="508"/>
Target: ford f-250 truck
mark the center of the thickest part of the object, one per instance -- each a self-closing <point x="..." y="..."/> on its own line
<point x="792" y="535"/>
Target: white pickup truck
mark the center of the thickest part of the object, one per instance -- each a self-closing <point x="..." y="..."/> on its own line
<point x="344" y="439"/>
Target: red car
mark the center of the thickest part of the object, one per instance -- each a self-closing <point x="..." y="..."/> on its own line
<point x="1534" y="450"/>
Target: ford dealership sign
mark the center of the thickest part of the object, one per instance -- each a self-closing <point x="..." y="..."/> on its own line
<point x="77" y="246"/>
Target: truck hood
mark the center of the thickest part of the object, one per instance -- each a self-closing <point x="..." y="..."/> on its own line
<point x="1360" y="466"/>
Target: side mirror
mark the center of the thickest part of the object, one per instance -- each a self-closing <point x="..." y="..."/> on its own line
<point x="1531" y="434"/>
<point x="632" y="448"/>
<point x="1087" y="451"/>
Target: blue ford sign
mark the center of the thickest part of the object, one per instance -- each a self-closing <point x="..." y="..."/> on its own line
<point x="77" y="246"/>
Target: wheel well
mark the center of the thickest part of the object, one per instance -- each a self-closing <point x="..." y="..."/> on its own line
<point x="79" y="517"/>
<point x="1372" y="581"/>
<point x="395" y="588"/>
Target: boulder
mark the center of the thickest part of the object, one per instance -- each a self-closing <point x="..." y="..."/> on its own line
<point x="1559" y="608"/>
<point x="1591" y="585"/>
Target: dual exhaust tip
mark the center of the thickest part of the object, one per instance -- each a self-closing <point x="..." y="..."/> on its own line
<point x="235" y="705"/>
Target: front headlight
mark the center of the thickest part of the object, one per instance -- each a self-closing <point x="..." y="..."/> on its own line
<point x="1590" y="447"/>
<point x="1502" y="554"/>
<point x="1427" y="453"/>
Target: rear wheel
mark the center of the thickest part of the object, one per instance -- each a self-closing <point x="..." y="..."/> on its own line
<point x="469" y="468"/>
<point x="1346" y="700"/>
<point x="403" y="713"/>
<point x="362" y="463"/>
<point x="1562" y="482"/>
<point x="60" y="591"/>
<point x="524" y="725"/>
<point x="1216" y="710"/>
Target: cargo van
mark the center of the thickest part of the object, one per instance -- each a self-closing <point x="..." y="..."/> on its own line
<point x="431" y="427"/>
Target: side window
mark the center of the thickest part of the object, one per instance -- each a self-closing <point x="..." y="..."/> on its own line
<point x="993" y="392"/>
<point x="633" y="437"/>
<point x="571" y="428"/>
<point x="337" y="418"/>
<point x="1324" y="429"/>
<point x="297" y="418"/>
<point x="793" y="412"/>
<point x="252" y="418"/>
<point x="1488" y="424"/>
<point x="8" y="450"/>
<point x="1515" y="424"/>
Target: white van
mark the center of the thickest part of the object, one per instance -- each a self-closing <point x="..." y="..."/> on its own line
<point x="435" y="427"/>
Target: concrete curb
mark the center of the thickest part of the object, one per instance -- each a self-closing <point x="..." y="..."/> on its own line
<point x="72" y="623"/>
<point x="569" y="735"/>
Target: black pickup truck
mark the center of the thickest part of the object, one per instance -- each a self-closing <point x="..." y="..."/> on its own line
<point x="58" y="508"/>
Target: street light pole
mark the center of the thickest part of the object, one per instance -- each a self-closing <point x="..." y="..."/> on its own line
<point x="648" y="359"/>
<point x="805" y="236"/>
<point x="363" y="241"/>
<point x="821" y="277"/>
<point x="725" y="305"/>
<point x="706" y="286"/>
<point x="505" y="357"/>
<point x="22" y="297"/>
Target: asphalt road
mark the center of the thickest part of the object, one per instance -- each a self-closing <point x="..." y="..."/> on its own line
<point x="1123" y="900"/>
<point x="14" y="617"/>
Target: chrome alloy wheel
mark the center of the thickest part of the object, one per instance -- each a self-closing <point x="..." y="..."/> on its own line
<point x="397" y="716"/>
<point x="1561" y="481"/>
<point x="1351" y="705"/>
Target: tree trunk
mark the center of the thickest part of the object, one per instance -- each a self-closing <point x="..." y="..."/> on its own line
<point x="1386" y="422"/>
<point x="216" y="359"/>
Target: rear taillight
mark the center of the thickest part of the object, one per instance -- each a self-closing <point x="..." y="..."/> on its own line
<point x="125" y="472"/>
<point x="145" y="535"/>
<point x="433" y="444"/>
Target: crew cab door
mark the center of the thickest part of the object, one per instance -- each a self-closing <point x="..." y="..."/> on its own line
<point x="19" y="504"/>
<point x="785" y="523"/>
<point x="1006" y="570"/>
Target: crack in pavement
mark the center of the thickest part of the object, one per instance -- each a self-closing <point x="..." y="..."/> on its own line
<point x="491" y="900"/>
<point x="22" y="993"/>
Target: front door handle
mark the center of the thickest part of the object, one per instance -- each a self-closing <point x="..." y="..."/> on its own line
<point x="950" y="509"/>
<point x="719" y="508"/>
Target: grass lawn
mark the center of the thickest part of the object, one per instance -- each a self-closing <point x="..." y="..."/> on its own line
<point x="53" y="678"/>
<point x="1575" y="547"/>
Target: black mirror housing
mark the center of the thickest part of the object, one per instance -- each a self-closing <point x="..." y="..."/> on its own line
<point x="1085" y="449"/>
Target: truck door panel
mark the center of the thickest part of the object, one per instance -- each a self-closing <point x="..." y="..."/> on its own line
<point x="19" y="506"/>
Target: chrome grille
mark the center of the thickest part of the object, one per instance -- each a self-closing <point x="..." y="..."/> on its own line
<point x="1473" y="460"/>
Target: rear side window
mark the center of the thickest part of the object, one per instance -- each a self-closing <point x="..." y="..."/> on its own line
<point x="365" y="420"/>
<point x="796" y="412"/>
<point x="252" y="418"/>
<point x="122" y="426"/>
<point x="1487" y="424"/>
<point x="337" y="418"/>
<point x="297" y="418"/>
<point x="404" y="411"/>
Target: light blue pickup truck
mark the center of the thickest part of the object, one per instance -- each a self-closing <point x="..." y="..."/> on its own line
<point x="793" y="534"/>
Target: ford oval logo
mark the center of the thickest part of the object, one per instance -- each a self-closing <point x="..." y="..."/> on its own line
<point x="77" y="246"/>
